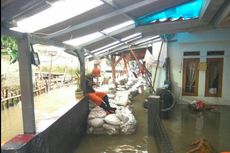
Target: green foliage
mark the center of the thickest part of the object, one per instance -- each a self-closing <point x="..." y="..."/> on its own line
<point x="9" y="46"/>
<point x="58" y="69"/>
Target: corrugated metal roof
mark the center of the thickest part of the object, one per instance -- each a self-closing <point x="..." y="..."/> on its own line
<point x="113" y="13"/>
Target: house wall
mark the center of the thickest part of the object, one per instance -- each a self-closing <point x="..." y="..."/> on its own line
<point x="203" y="41"/>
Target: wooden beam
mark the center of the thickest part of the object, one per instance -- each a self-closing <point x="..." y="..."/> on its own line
<point x="125" y="64"/>
<point x="113" y="58"/>
<point x="119" y="59"/>
<point x="133" y="54"/>
<point x="155" y="73"/>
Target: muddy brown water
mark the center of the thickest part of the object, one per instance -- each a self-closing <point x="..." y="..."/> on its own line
<point x="47" y="108"/>
<point x="185" y="127"/>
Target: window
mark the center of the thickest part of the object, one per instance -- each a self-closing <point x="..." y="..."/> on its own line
<point x="214" y="73"/>
<point x="190" y="77"/>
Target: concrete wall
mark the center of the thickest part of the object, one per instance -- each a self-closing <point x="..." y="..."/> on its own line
<point x="203" y="41"/>
<point x="63" y="136"/>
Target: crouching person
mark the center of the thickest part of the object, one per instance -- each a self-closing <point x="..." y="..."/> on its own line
<point x="99" y="98"/>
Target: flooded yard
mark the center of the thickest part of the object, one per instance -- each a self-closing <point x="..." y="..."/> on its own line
<point x="186" y="126"/>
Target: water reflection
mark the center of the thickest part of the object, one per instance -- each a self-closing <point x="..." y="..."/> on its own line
<point x="11" y="122"/>
<point x="48" y="108"/>
<point x="135" y="143"/>
<point x="186" y="126"/>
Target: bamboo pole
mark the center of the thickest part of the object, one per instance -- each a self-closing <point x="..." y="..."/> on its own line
<point x="155" y="73"/>
<point x="113" y="69"/>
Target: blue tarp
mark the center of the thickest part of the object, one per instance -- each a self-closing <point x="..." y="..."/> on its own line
<point x="188" y="10"/>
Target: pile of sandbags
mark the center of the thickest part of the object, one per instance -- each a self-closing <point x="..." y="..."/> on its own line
<point x="122" y="122"/>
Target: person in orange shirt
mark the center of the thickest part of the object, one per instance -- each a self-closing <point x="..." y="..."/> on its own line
<point x="100" y="98"/>
<point x="96" y="72"/>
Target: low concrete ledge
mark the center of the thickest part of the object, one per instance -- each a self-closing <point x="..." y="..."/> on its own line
<point x="62" y="136"/>
<point x="155" y="128"/>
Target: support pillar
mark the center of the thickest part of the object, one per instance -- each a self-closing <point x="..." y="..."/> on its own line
<point x="81" y="58"/>
<point x="26" y="85"/>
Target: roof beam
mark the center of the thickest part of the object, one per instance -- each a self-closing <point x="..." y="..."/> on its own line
<point x="209" y="10"/>
<point x="6" y="32"/>
<point x="116" y="7"/>
<point x="224" y="12"/>
<point x="171" y="27"/>
<point x="122" y="47"/>
<point x="17" y="8"/>
<point x="117" y="39"/>
<point x="104" y="17"/>
<point x="69" y="49"/>
<point x="111" y="34"/>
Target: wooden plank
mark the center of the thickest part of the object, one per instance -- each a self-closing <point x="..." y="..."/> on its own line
<point x="113" y="68"/>
<point x="155" y="73"/>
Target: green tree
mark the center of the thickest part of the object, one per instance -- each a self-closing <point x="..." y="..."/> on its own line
<point x="9" y="46"/>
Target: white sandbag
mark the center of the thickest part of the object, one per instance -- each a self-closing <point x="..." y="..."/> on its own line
<point x="115" y="106"/>
<point x="99" y="130"/>
<point x="90" y="130"/>
<point x="112" y="101"/>
<point x="122" y="100"/>
<point x="124" y="118"/>
<point x="112" y="119"/>
<point x="91" y="104"/>
<point x="130" y="126"/>
<point x="124" y="110"/>
<point x="111" y="129"/>
<point x="111" y="96"/>
<point x="96" y="122"/>
<point x="97" y="112"/>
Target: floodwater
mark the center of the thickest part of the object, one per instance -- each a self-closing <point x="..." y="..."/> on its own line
<point x="186" y="126"/>
<point x="48" y="107"/>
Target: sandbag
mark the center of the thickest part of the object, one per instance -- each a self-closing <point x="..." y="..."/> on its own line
<point x="122" y="117"/>
<point x="111" y="129"/>
<point x="112" y="119"/>
<point x="97" y="112"/>
<point x="99" y="130"/>
<point x="122" y="100"/>
<point x="96" y="122"/>
<point x="130" y="126"/>
<point x="92" y="104"/>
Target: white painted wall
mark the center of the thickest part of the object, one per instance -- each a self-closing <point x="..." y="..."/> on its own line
<point x="202" y="41"/>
